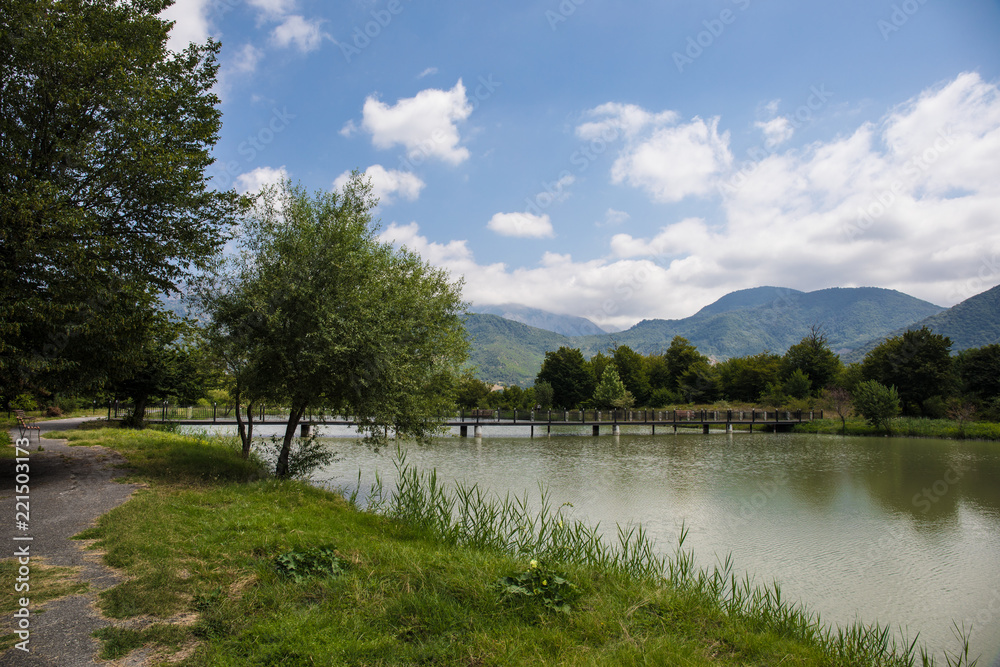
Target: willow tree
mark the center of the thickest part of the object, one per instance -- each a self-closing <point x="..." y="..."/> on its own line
<point x="331" y="316"/>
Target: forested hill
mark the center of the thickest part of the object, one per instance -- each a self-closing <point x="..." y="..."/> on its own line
<point x="741" y="323"/>
<point x="508" y="352"/>
<point x="774" y="319"/>
<point x="972" y="323"/>
<point x="566" y="325"/>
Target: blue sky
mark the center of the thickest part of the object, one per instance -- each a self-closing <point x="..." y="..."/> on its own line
<point x="625" y="161"/>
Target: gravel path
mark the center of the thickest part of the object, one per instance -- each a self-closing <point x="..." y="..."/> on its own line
<point x="70" y="488"/>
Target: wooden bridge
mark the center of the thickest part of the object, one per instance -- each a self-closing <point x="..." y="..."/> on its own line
<point x="478" y="420"/>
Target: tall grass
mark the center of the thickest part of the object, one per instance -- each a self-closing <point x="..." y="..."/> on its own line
<point x="907" y="427"/>
<point x="466" y="515"/>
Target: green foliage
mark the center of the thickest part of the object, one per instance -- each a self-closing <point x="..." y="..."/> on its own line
<point x="917" y="363"/>
<point x="102" y="180"/>
<point x="798" y="384"/>
<point x="813" y="358"/>
<point x="543" y="394"/>
<point x="541" y="583"/>
<point x="566" y="371"/>
<point x="318" y="561"/>
<point x="631" y="367"/>
<point x="471" y="392"/>
<point x="877" y="403"/>
<point x="323" y="312"/>
<point x="746" y="378"/>
<point x="679" y="358"/>
<point x="305" y="455"/>
<point x="505" y="351"/>
<point x="979" y="371"/>
<point x="611" y="392"/>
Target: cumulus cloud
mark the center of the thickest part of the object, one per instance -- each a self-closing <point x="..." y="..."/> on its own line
<point x="255" y="180"/>
<point x="426" y="125"/>
<point x="387" y="183"/>
<point x="908" y="203"/>
<point x="304" y="34"/>
<point x="523" y="225"/>
<point x="776" y="131"/>
<point x="191" y="23"/>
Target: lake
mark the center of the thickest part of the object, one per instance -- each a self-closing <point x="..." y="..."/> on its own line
<point x="901" y="531"/>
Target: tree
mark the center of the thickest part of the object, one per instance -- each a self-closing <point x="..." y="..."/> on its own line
<point x="979" y="370"/>
<point x="840" y="400"/>
<point x="813" y="356"/>
<point x="631" y="368"/>
<point x="877" y="403"/>
<point x="566" y="371"/>
<point x="699" y="383"/>
<point x="471" y="392"/>
<point x="611" y="391"/>
<point x="918" y="363"/>
<point x="543" y="394"/>
<point x="679" y="357"/>
<point x="104" y="141"/>
<point x="746" y="378"/>
<point x="339" y="319"/>
<point x="797" y="385"/>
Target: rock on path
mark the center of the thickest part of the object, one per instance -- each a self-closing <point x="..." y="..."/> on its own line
<point x="70" y="488"/>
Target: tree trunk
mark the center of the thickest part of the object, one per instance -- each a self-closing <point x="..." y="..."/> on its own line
<point x="294" y="416"/>
<point x="138" y="417"/>
<point x="245" y="430"/>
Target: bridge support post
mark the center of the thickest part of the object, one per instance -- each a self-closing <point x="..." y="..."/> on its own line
<point x="616" y="430"/>
<point x="704" y="429"/>
<point x="597" y="429"/>
<point x="479" y="431"/>
<point x="532" y="430"/>
<point x="304" y="430"/>
<point x="654" y="429"/>
<point x="463" y="431"/>
<point x="729" y="428"/>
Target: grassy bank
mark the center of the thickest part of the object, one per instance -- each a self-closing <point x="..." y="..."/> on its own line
<point x="912" y="427"/>
<point x="228" y="567"/>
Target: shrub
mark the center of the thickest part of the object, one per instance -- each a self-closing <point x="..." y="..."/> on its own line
<point x="877" y="403"/>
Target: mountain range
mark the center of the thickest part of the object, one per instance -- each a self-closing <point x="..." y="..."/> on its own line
<point x="854" y="320"/>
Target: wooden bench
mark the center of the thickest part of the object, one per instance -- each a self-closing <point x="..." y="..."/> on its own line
<point x="26" y="423"/>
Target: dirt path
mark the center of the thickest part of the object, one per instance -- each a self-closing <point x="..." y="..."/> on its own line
<point x="69" y="488"/>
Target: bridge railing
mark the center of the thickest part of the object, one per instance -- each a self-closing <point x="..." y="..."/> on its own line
<point x="264" y="413"/>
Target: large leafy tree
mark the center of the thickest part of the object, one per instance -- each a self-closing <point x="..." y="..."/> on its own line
<point x="631" y="367"/>
<point x="333" y="317"/>
<point x="746" y="378"/>
<point x="104" y="140"/>
<point x="814" y="358"/>
<point x="679" y="357"/>
<point x="566" y="371"/>
<point x="917" y="363"/>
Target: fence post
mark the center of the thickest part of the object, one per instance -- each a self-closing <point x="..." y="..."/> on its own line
<point x="215" y="411"/>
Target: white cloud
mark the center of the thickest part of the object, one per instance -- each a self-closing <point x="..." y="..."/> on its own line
<point x="613" y="218"/>
<point x="676" y="161"/>
<point x="426" y="124"/>
<point x="523" y="225"/>
<point x="254" y="181"/>
<point x="428" y="72"/>
<point x="295" y="30"/>
<point x="273" y="9"/>
<point x="246" y="60"/>
<point x="615" y="120"/>
<point x="776" y="131"/>
<point x="909" y="203"/>
<point x="191" y="23"/>
<point x="386" y="183"/>
<point x="668" y="159"/>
